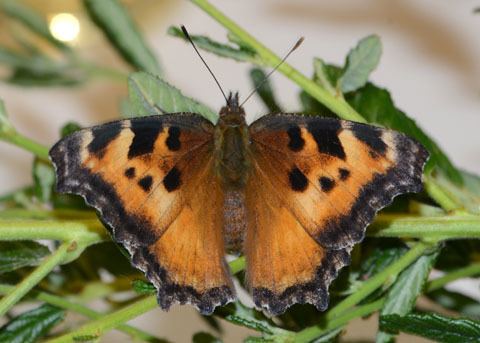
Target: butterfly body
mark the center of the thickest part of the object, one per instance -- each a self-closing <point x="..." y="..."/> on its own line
<point x="292" y="193"/>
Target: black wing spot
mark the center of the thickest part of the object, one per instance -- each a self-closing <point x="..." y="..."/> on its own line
<point x="296" y="142"/>
<point x="326" y="183"/>
<point x="173" y="139"/>
<point x="298" y="180"/>
<point x="372" y="136"/>
<point x="146" y="183"/>
<point x="145" y="134"/>
<point x="343" y="173"/>
<point x="325" y="133"/>
<point x="172" y="181"/>
<point x="102" y="136"/>
<point x="130" y="172"/>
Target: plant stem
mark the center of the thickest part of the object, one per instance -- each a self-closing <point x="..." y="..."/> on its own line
<point x="446" y="200"/>
<point x="26" y="143"/>
<point x="471" y="270"/>
<point x="97" y="327"/>
<point x="428" y="228"/>
<point x="336" y="104"/>
<point x="34" y="278"/>
<point x="61" y="302"/>
<point x="237" y="265"/>
<point x="61" y="230"/>
<point x="310" y="333"/>
<point x="21" y="213"/>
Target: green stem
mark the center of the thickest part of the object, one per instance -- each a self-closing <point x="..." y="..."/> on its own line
<point x="97" y="327"/>
<point x="34" y="278"/>
<point x="61" y="302"/>
<point x="438" y="283"/>
<point x="91" y="231"/>
<point x="337" y="105"/>
<point x="427" y="228"/>
<point x="446" y="200"/>
<point x="21" y="213"/>
<point x="237" y="265"/>
<point x="26" y="143"/>
<point x="309" y="334"/>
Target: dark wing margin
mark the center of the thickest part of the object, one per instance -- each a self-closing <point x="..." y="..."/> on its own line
<point x="333" y="176"/>
<point x="117" y="167"/>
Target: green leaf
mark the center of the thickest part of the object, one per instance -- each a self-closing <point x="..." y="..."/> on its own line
<point x="32" y="78"/>
<point x="31" y="19"/>
<point x="69" y="128"/>
<point x="361" y="61"/>
<point x="223" y="50"/>
<point x="403" y="294"/>
<point x="149" y="95"/>
<point x="44" y="178"/>
<point x="30" y="326"/>
<point x="380" y="258"/>
<point x="433" y="326"/>
<point x="122" y="32"/>
<point x="456" y="302"/>
<point x="264" y="90"/>
<point x="18" y="254"/>
<point x="205" y="337"/>
<point x="143" y="287"/>
<point x="377" y="106"/>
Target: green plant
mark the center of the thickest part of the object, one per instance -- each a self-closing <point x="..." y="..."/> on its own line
<point x="437" y="229"/>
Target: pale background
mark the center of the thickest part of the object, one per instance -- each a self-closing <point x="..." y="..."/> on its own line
<point x="430" y="64"/>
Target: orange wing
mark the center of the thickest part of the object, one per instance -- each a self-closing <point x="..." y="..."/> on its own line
<point x="316" y="184"/>
<point x="152" y="180"/>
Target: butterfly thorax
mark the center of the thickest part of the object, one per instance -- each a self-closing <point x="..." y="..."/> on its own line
<point x="231" y="144"/>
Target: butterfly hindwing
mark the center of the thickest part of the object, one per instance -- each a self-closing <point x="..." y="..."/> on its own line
<point x="320" y="182"/>
<point x="152" y="181"/>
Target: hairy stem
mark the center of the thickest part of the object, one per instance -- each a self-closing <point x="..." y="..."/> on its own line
<point x="26" y="143"/>
<point x="34" y="278"/>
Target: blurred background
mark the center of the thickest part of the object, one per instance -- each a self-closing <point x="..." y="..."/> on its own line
<point x="429" y="64"/>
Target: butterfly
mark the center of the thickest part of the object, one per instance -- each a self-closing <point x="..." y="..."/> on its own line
<point x="292" y="193"/>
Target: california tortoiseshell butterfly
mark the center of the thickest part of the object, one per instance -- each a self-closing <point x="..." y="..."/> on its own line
<point x="292" y="193"/>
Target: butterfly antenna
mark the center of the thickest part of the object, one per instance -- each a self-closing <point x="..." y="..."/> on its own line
<point x="297" y="44"/>
<point x="187" y="36"/>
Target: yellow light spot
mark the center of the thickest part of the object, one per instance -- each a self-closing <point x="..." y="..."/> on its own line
<point x="65" y="27"/>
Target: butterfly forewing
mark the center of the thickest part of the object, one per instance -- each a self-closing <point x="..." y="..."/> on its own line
<point x="152" y="180"/>
<point x="315" y="184"/>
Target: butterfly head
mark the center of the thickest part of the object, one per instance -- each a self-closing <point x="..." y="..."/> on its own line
<point x="232" y="109"/>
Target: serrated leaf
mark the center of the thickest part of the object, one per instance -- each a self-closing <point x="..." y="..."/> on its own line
<point x="402" y="296"/>
<point x="264" y="90"/>
<point x="219" y="49"/>
<point x="377" y="106"/>
<point x="457" y="302"/>
<point x="30" y="326"/>
<point x="379" y="259"/>
<point x="44" y="178"/>
<point x="18" y="254"/>
<point x="361" y="61"/>
<point x="149" y="95"/>
<point x="31" y="19"/>
<point x="205" y="337"/>
<point x="433" y="326"/>
<point x="122" y="32"/>
<point x="143" y="287"/>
